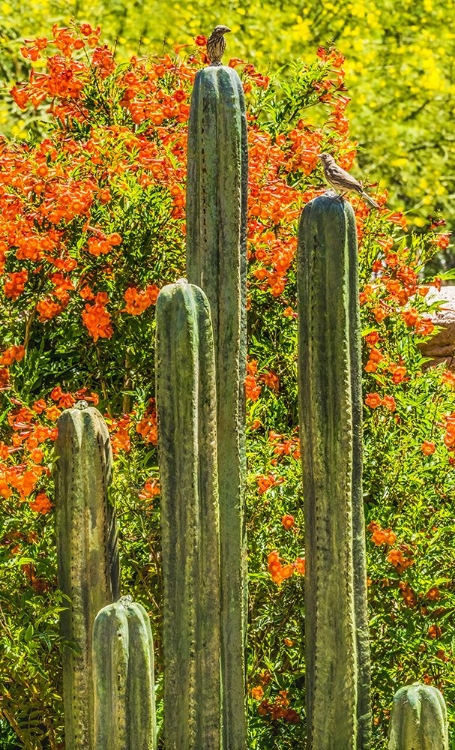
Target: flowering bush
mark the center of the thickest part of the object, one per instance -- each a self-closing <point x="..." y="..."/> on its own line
<point x="92" y="224"/>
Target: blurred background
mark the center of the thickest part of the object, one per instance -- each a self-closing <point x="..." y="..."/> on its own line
<point x="399" y="62"/>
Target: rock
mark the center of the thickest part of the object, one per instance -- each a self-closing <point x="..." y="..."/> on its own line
<point x="441" y="347"/>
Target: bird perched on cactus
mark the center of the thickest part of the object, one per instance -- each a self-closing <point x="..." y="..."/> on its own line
<point x="216" y="44"/>
<point x="341" y="180"/>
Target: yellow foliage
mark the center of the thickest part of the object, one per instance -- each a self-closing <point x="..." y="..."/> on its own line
<point x="398" y="67"/>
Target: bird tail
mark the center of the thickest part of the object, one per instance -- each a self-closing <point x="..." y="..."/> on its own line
<point x="369" y="199"/>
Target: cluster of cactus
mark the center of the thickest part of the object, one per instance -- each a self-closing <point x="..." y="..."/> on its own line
<point x="200" y="372"/>
<point x="200" y="365"/>
<point x="108" y="676"/>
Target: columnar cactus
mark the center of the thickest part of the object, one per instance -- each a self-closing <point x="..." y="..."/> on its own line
<point x="88" y="570"/>
<point x="123" y="674"/>
<point x="186" y="407"/>
<point x="419" y="719"/>
<point x="216" y="262"/>
<point x="336" y="625"/>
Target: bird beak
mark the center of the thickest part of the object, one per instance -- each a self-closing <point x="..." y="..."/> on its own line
<point x="226" y="31"/>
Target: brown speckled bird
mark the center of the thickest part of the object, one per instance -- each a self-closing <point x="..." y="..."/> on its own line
<point x="341" y="180"/>
<point x="216" y="44"/>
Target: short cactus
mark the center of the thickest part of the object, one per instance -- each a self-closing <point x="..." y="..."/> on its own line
<point x="123" y="673"/>
<point x="336" y="624"/>
<point x="419" y="719"/>
<point x="216" y="213"/>
<point x="88" y="570"/>
<point x="186" y="407"/>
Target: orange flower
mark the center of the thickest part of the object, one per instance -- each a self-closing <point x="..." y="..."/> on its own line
<point x="408" y="594"/>
<point x="372" y="338"/>
<point x="97" y="319"/>
<point x="424" y="327"/>
<point x="287" y="522"/>
<point x="389" y="403"/>
<point x="47" y="309"/>
<point x="271" y="380"/>
<point x="287" y="571"/>
<point x="398" y="373"/>
<point x="264" y="482"/>
<point x="383" y="536"/>
<point x="41" y="503"/>
<point x="299" y="566"/>
<point x="150" y="489"/>
<point x="15" y="284"/>
<point x="274" y="566"/>
<point x="410" y="317"/>
<point x="13" y="354"/>
<point x="376" y="356"/>
<point x="53" y="413"/>
<point x="257" y="693"/>
<point x="434" y="631"/>
<point x="373" y="400"/>
<point x="120" y="434"/>
<point x="148" y="428"/>
<point x="433" y="594"/>
<point x="252" y="389"/>
<point x="365" y="294"/>
<point x="137" y="301"/>
<point x="448" y="378"/>
<point x="427" y="448"/>
<point x="379" y="314"/>
<point x="395" y="557"/>
<point x="442" y="241"/>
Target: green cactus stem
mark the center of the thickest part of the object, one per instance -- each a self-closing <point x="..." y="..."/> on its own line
<point x="216" y="262"/>
<point x="88" y="570"/>
<point x="123" y="675"/>
<point x="186" y="408"/>
<point x="419" y="719"/>
<point x="336" y="623"/>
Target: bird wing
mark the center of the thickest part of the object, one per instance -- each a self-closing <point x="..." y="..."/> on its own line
<point x="335" y="173"/>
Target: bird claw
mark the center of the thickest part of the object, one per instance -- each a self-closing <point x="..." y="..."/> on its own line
<point x="334" y="194"/>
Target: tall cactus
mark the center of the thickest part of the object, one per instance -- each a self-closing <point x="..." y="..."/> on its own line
<point x="336" y="624"/>
<point x="186" y="406"/>
<point x="123" y="673"/>
<point x="216" y="261"/>
<point x="419" y="719"/>
<point x="88" y="570"/>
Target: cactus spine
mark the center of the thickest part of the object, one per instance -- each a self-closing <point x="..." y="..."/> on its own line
<point x="336" y="624"/>
<point x="419" y="719"/>
<point x="216" y="261"/>
<point x="88" y="570"/>
<point x="186" y="406"/>
<point x="123" y="672"/>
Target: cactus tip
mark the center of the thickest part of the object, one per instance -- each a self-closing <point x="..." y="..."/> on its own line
<point x="81" y="405"/>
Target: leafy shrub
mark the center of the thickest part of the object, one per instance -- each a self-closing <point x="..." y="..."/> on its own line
<point x="92" y="224"/>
